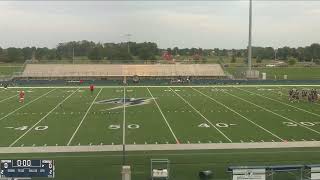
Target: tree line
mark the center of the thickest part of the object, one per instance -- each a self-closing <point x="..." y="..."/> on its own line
<point x="149" y="51"/>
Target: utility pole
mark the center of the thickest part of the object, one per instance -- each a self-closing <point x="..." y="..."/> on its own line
<point x="250" y="37"/>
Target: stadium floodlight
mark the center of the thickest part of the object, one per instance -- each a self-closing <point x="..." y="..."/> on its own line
<point x="250" y="36"/>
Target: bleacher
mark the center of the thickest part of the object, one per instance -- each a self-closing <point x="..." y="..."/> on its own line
<point x="52" y="71"/>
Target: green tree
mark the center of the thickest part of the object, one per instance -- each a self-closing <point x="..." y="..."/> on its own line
<point x="15" y="55"/>
<point x="259" y="59"/>
<point x="292" y="61"/>
<point x="3" y="55"/>
<point x="233" y="59"/>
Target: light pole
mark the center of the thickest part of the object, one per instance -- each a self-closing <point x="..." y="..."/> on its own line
<point x="275" y="54"/>
<point x="128" y="36"/>
<point x="250" y="36"/>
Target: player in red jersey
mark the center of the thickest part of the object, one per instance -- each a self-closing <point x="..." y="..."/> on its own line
<point x="21" y="96"/>
<point x="91" y="88"/>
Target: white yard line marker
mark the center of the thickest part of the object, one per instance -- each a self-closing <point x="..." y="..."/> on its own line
<point x="281" y="102"/>
<point x="273" y="112"/>
<point x="164" y="117"/>
<point x="124" y="117"/>
<point x="239" y="114"/>
<point x="25" y="105"/>
<point x="8" y="98"/>
<point x="85" y="115"/>
<point x="31" y="128"/>
<point x="202" y="116"/>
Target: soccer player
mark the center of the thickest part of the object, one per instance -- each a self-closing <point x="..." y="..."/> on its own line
<point x="21" y="96"/>
<point x="91" y="88"/>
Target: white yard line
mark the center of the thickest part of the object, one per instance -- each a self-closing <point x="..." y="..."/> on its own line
<point x="31" y="128"/>
<point x="85" y="115"/>
<point x="318" y="115"/>
<point x="202" y="116"/>
<point x="9" y="98"/>
<point x="164" y="117"/>
<point x="268" y="110"/>
<point x="124" y="117"/>
<point x="25" y="105"/>
<point x="234" y="111"/>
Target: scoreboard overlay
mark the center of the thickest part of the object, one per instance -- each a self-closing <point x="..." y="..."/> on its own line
<point x="26" y="168"/>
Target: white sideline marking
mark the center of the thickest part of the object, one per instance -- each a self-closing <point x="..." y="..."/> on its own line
<point x="274" y="113"/>
<point x="25" y="105"/>
<point x="124" y="117"/>
<point x="163" y="116"/>
<point x="282" y="102"/>
<point x="207" y="86"/>
<point x="9" y="98"/>
<point x="31" y="128"/>
<point x="85" y="115"/>
<point x="239" y="115"/>
<point x="203" y="116"/>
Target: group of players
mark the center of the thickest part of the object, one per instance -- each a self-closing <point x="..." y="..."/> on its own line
<point x="22" y="93"/>
<point x="311" y="95"/>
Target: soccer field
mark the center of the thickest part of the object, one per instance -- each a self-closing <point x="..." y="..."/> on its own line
<point x="155" y="115"/>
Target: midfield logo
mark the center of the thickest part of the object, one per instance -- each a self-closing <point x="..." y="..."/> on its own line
<point x="129" y="102"/>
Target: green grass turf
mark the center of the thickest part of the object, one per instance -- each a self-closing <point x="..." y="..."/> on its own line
<point x="233" y="114"/>
<point x="184" y="165"/>
<point x="239" y="114"/>
<point x="294" y="73"/>
<point x="9" y="69"/>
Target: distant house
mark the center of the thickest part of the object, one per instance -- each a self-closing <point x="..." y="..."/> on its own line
<point x="167" y="56"/>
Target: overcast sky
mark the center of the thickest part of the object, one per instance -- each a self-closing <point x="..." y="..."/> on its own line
<point x="206" y="24"/>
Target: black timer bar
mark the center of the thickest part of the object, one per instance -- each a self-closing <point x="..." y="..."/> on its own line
<point x="26" y="168"/>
